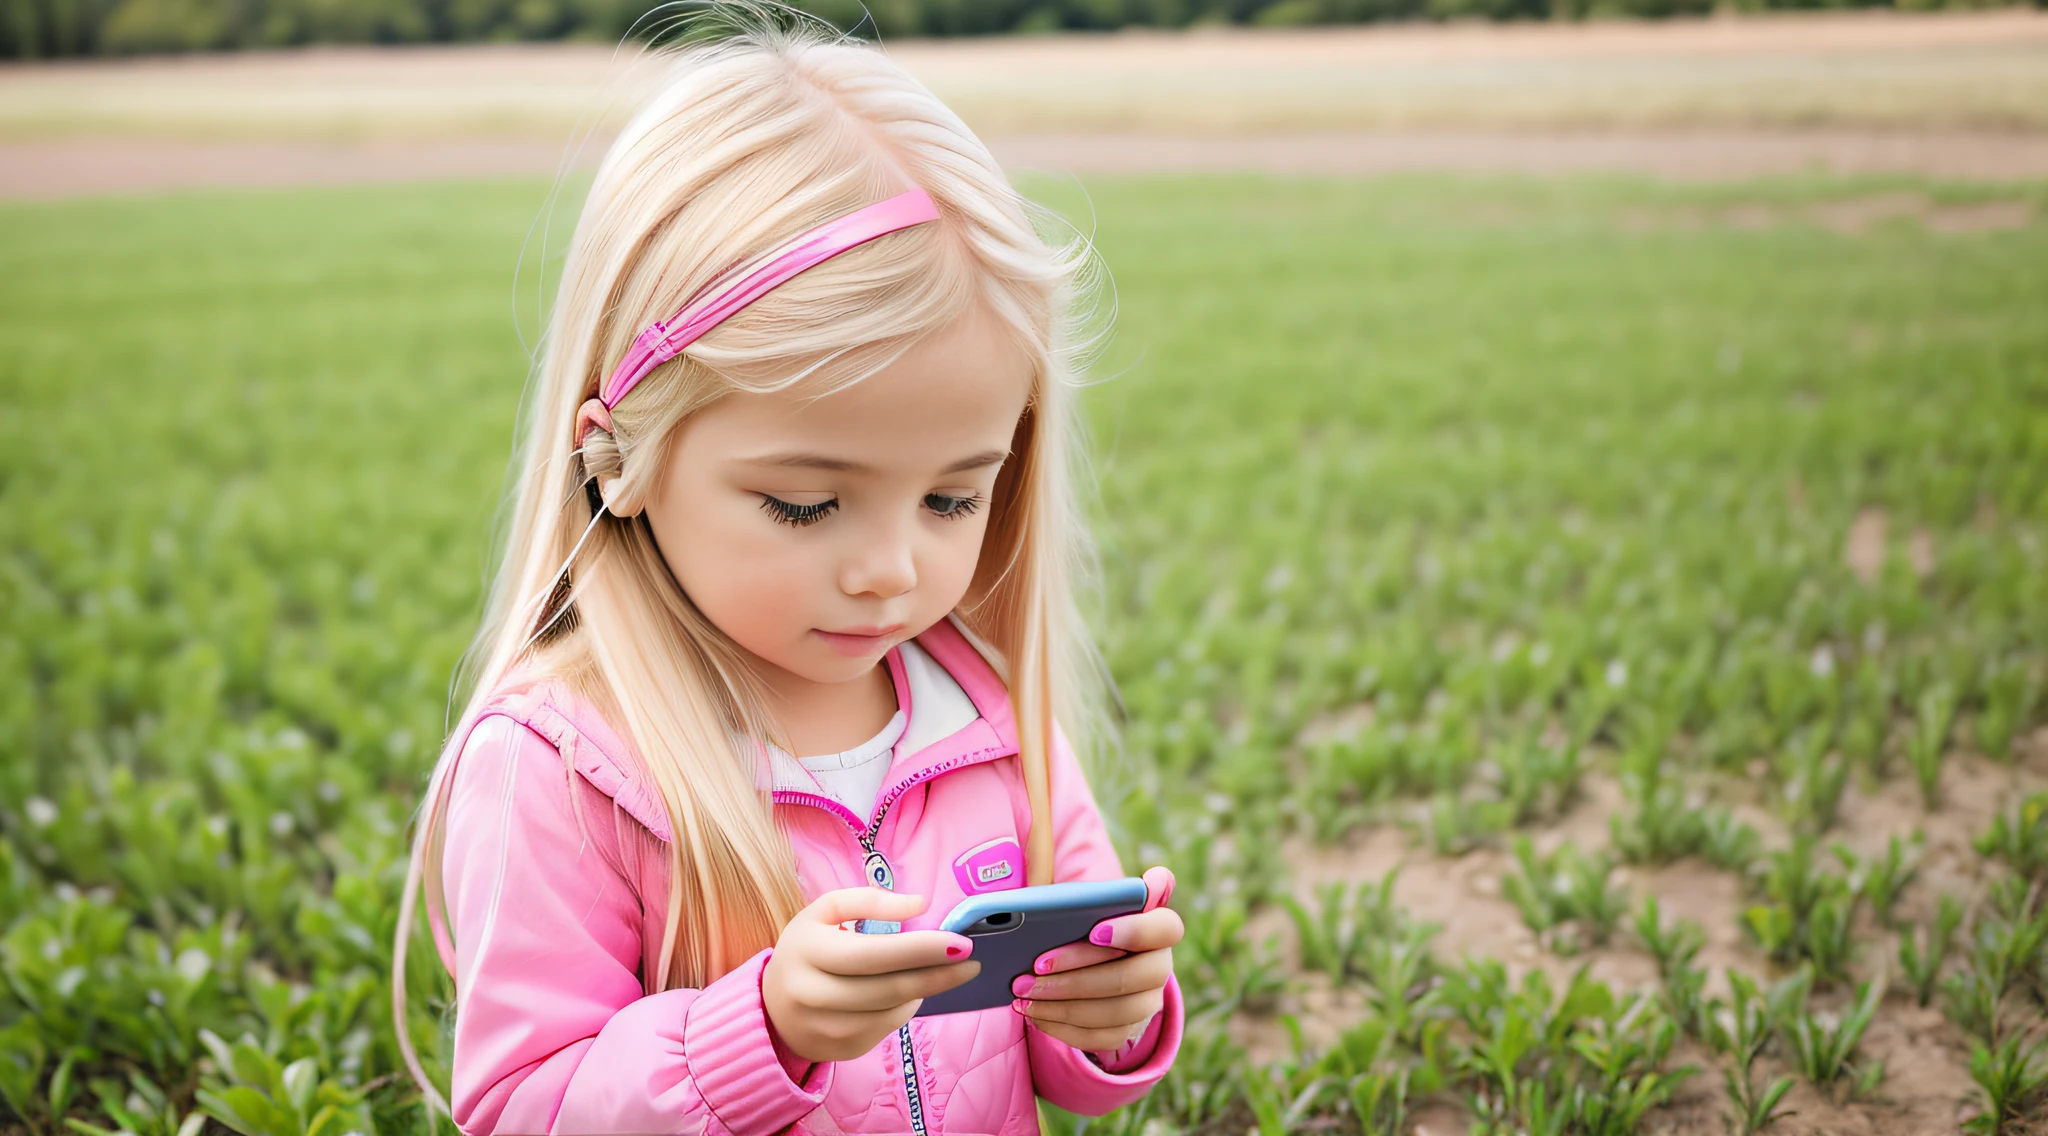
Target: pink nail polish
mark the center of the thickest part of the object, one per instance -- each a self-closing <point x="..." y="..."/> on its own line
<point x="1023" y="985"/>
<point x="1102" y="935"/>
<point x="1020" y="1005"/>
<point x="956" y="951"/>
<point x="1046" y="962"/>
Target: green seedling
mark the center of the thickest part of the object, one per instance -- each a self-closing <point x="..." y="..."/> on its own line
<point x="140" y="1107"/>
<point x="1793" y="879"/>
<point x="1329" y="937"/>
<point x="1208" y="1073"/>
<point x="2014" y="1080"/>
<point x="1538" y="780"/>
<point x="1774" y="929"/>
<point x="1397" y="969"/>
<point x="1379" y="1100"/>
<point x="1225" y="967"/>
<point x="1728" y="843"/>
<point x="1926" y="743"/>
<point x="1811" y="915"/>
<point x="1823" y="1048"/>
<point x="2021" y="838"/>
<point x="1336" y="936"/>
<point x="261" y="1097"/>
<point x="1972" y="1001"/>
<point x="1457" y="826"/>
<point x="2011" y="898"/>
<point x="1279" y="1106"/>
<point x="1740" y="1030"/>
<point x="1880" y="881"/>
<point x="2009" y="692"/>
<point x="1828" y="941"/>
<point x="1673" y="947"/>
<point x="1921" y="953"/>
<point x="1812" y="780"/>
<point x="1565" y="893"/>
<point x="1754" y="1107"/>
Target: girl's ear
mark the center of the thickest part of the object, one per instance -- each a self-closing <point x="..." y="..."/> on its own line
<point x="591" y="413"/>
<point x="600" y="453"/>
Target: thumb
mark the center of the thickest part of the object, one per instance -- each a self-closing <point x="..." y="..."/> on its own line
<point x="836" y="907"/>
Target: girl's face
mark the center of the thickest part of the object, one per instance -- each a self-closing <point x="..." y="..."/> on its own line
<point x="820" y="532"/>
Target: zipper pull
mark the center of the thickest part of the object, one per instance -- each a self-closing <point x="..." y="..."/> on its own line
<point x="881" y="875"/>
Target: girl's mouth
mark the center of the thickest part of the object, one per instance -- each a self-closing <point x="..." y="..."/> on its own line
<point x="851" y="644"/>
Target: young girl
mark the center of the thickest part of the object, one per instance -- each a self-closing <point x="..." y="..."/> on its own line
<point x="775" y="649"/>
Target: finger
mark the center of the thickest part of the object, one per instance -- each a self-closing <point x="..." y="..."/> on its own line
<point x="1074" y="956"/>
<point x="873" y="993"/>
<point x="1099" y="1040"/>
<point x="1158" y="886"/>
<point x="852" y="953"/>
<point x="1128" y="975"/>
<point x="836" y="907"/>
<point x="1150" y="931"/>
<point x="1095" y="1013"/>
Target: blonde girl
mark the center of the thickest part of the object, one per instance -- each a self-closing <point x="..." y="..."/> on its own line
<point x="781" y="646"/>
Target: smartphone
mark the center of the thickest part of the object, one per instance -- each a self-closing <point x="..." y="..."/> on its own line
<point x="1012" y="928"/>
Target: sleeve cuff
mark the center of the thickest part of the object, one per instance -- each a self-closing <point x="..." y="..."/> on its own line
<point x="738" y="1066"/>
<point x="1134" y="1052"/>
<point x="1071" y="1079"/>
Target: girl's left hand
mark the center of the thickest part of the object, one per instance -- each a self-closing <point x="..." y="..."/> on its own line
<point x="1100" y="994"/>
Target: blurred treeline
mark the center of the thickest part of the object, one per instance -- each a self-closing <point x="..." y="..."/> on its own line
<point x="47" y="28"/>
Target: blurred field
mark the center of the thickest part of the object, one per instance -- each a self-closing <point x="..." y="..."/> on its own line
<point x="1954" y="94"/>
<point x="1688" y="531"/>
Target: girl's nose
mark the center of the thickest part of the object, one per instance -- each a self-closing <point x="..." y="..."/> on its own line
<point x="884" y="564"/>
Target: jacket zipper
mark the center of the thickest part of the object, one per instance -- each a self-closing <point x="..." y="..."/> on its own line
<point x="877" y="871"/>
<point x="882" y="875"/>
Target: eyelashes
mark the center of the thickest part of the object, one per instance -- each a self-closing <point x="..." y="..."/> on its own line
<point x="797" y="516"/>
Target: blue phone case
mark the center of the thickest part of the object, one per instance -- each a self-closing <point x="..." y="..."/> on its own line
<point x="1012" y="928"/>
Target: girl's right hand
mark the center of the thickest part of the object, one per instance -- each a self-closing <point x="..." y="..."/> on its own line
<point x="832" y="994"/>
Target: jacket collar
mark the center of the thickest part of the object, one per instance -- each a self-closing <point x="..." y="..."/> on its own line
<point x="956" y="708"/>
<point x="945" y="735"/>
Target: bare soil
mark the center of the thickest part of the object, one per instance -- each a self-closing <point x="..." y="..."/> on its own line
<point x="1927" y="1087"/>
<point x="103" y="165"/>
<point x="1957" y="95"/>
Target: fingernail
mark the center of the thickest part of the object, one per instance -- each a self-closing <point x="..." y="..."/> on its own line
<point x="1101" y="935"/>
<point x="1021" y="1006"/>
<point x="956" y="951"/>
<point x="1046" y="962"/>
<point x="1023" y="985"/>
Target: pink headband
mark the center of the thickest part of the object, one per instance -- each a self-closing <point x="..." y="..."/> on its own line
<point x="665" y="340"/>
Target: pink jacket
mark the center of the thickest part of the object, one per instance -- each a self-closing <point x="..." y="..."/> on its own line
<point x="553" y="1030"/>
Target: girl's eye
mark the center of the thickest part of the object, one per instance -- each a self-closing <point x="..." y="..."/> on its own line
<point x="797" y="516"/>
<point x="952" y="508"/>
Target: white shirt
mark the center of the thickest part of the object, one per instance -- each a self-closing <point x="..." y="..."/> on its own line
<point x="938" y="709"/>
<point x="854" y="777"/>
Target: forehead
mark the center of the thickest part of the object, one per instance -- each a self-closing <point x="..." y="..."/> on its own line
<point x="958" y="392"/>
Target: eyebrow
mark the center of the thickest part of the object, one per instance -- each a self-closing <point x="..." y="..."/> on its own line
<point x="840" y="465"/>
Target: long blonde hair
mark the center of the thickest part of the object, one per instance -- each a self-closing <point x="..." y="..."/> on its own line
<point x="755" y="137"/>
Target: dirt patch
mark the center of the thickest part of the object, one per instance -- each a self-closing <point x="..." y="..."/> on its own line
<point x="1948" y="95"/>
<point x="1927" y="1087"/>
<point x="1926" y="72"/>
<point x="105" y="165"/>
<point x="1850" y="216"/>
<point x="1864" y="552"/>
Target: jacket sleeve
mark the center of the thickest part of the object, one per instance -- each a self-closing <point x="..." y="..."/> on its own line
<point x="1066" y="1076"/>
<point x="553" y="1033"/>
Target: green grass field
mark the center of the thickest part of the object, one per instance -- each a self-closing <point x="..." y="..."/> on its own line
<point x="1694" y="536"/>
